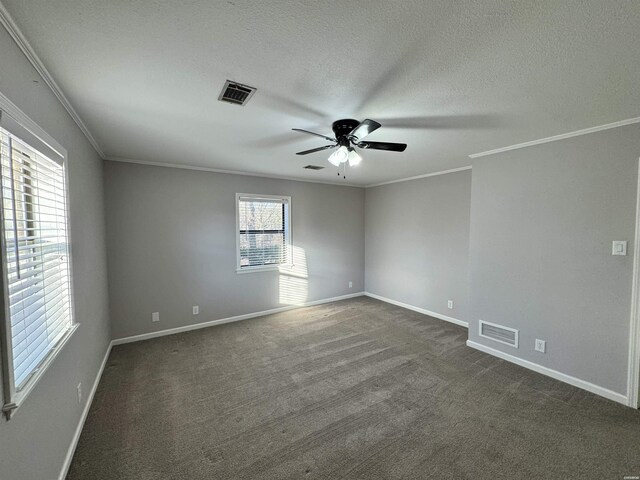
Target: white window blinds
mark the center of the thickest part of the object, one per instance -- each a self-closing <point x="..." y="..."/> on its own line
<point x="264" y="235"/>
<point x="37" y="281"/>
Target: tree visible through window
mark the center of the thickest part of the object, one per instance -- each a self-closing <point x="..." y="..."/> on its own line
<point x="263" y="231"/>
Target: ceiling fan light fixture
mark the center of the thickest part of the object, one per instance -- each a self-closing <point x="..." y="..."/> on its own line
<point x="349" y="134"/>
<point x="341" y="155"/>
<point x="354" y="158"/>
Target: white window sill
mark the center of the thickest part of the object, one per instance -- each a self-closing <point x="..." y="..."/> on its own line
<point x="22" y="395"/>
<point x="266" y="268"/>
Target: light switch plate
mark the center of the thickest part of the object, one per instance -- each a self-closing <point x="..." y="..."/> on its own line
<point x="541" y="345"/>
<point x="155" y="317"/>
<point x="619" y="247"/>
<point x="196" y="310"/>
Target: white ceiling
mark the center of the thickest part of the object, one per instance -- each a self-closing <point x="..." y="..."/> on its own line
<point x="447" y="78"/>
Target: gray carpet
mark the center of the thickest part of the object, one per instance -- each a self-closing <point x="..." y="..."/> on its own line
<point x="357" y="389"/>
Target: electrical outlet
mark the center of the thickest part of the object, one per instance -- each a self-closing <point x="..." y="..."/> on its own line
<point x="196" y="310"/>
<point x="541" y="345"/>
<point x="155" y="317"/>
<point x="350" y="284"/>
<point x="619" y="247"/>
<point x="79" y="389"/>
<point x="450" y="304"/>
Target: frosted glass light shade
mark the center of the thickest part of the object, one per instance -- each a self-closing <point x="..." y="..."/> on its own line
<point x="354" y="158"/>
<point x="341" y="155"/>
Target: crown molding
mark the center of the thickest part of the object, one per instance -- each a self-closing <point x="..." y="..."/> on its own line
<point x="417" y="177"/>
<point x="555" y="138"/>
<point x="11" y="109"/>
<point x="12" y="28"/>
<point x="275" y="177"/>
<point x="228" y="172"/>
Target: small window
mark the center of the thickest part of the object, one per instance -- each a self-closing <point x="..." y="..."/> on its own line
<point x="263" y="232"/>
<point x="36" y="280"/>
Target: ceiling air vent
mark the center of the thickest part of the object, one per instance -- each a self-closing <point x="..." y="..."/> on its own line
<point x="499" y="333"/>
<point x="313" y="167"/>
<point x="236" y="93"/>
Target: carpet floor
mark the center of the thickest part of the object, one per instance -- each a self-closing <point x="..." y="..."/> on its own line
<point x="357" y="389"/>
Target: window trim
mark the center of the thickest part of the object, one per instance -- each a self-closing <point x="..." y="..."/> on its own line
<point x="12" y="398"/>
<point x="288" y="235"/>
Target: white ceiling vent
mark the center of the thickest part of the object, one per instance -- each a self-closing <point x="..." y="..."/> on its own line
<point x="499" y="333"/>
<point x="236" y="93"/>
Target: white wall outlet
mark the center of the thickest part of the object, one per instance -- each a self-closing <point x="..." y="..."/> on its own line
<point x="350" y="284"/>
<point x="450" y="304"/>
<point x="619" y="247"/>
<point x="79" y="389"/>
<point x="155" y="317"/>
<point x="196" y="310"/>
<point x="541" y="345"/>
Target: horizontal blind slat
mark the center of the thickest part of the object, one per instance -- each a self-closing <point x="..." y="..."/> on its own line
<point x="262" y="231"/>
<point x="36" y="248"/>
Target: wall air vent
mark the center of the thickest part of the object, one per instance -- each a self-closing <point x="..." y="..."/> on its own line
<point x="499" y="333"/>
<point x="313" y="167"/>
<point x="236" y="93"/>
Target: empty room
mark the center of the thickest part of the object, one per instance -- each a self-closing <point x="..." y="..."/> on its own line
<point x="296" y="239"/>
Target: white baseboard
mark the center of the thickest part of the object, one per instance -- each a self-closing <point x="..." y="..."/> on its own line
<point x="83" y="418"/>
<point x="418" y="309"/>
<point x="563" y="377"/>
<point x="237" y="318"/>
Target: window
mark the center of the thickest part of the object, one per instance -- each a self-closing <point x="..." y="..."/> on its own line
<point x="263" y="232"/>
<point x="36" y="268"/>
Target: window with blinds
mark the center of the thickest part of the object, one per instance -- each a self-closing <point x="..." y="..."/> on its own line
<point x="263" y="231"/>
<point x="37" y="274"/>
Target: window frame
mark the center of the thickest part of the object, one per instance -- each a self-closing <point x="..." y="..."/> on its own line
<point x="12" y="397"/>
<point x="287" y="229"/>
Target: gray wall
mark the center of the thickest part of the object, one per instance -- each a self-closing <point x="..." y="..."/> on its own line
<point x="542" y="222"/>
<point x="46" y="422"/>
<point x="172" y="244"/>
<point x="417" y="242"/>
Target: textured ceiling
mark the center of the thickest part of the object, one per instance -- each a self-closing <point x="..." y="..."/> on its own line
<point x="447" y="78"/>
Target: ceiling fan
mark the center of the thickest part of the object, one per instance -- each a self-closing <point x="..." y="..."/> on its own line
<point x="349" y="134"/>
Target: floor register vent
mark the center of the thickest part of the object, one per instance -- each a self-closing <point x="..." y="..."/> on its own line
<point x="499" y="333"/>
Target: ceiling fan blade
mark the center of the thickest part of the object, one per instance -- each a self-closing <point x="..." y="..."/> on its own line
<point x="447" y="122"/>
<point x="365" y="128"/>
<point x="391" y="147"/>
<point x="316" y="134"/>
<point x="313" y="150"/>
